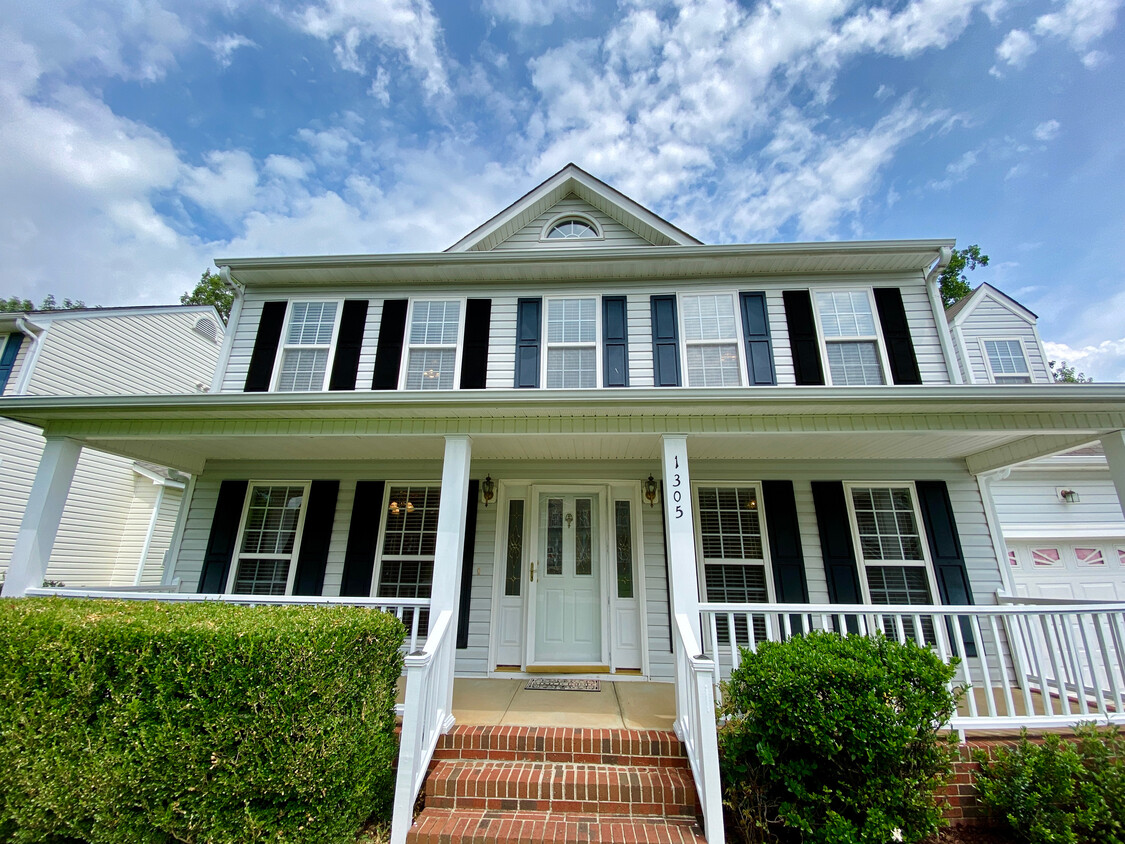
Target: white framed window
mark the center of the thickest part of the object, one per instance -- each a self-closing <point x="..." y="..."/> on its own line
<point x="573" y="358"/>
<point x="890" y="544"/>
<point x="850" y="339"/>
<point x="308" y="342"/>
<point x="269" y="538"/>
<point x="1007" y="361"/>
<point x="712" y="348"/>
<point x="567" y="228"/>
<point x="433" y="343"/>
<point x="406" y="548"/>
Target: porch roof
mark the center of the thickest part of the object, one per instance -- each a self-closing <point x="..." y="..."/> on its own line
<point x="987" y="427"/>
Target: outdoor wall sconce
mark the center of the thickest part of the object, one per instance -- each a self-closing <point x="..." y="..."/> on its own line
<point x="650" y="491"/>
<point x="1069" y="496"/>
<point x="396" y="509"/>
<point x="487" y="489"/>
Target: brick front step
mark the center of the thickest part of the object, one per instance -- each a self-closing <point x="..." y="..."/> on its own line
<point x="562" y="787"/>
<point x="649" y="748"/>
<point x="458" y="826"/>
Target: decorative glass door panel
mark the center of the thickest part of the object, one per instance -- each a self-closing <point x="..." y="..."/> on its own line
<point x="566" y="586"/>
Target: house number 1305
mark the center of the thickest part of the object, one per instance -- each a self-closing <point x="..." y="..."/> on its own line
<point x="677" y="494"/>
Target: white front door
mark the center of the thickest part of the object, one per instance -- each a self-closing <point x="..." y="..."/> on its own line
<point x="565" y="591"/>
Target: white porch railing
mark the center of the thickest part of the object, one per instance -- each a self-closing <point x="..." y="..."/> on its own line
<point x="407" y="610"/>
<point x="1022" y="665"/>
<point x="695" y="724"/>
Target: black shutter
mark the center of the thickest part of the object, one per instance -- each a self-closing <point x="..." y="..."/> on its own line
<point x="316" y="536"/>
<point x="802" y="337"/>
<point x="388" y="354"/>
<point x="467" y="566"/>
<point x="8" y="358"/>
<point x="349" y="342"/>
<point x="528" y="322"/>
<point x="665" y="342"/>
<point x="836" y="542"/>
<point x="224" y="533"/>
<point x="474" y="359"/>
<point x="896" y="332"/>
<point x="615" y="342"/>
<point x="945" y="551"/>
<point x="363" y="536"/>
<point x="759" y="349"/>
<point x="265" y="347"/>
<point x="785" y="542"/>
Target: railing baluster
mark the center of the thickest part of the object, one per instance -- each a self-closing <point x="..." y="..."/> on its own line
<point x="1009" y="703"/>
<point x="986" y="673"/>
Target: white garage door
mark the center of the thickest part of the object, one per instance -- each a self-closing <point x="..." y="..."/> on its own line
<point x="1087" y="571"/>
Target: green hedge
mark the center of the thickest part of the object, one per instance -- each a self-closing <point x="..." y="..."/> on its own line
<point x="835" y="739"/>
<point x="147" y="722"/>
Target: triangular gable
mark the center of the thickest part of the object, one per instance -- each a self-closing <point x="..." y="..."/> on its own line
<point x="573" y="180"/>
<point x="960" y="311"/>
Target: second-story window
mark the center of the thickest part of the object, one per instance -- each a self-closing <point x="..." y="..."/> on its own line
<point x="432" y="341"/>
<point x="711" y="341"/>
<point x="307" y="346"/>
<point x="1007" y="362"/>
<point x="572" y="343"/>
<point x="851" y="337"/>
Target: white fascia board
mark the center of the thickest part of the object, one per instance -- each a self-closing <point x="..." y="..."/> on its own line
<point x="1068" y="530"/>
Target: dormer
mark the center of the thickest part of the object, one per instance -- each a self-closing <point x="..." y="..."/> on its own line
<point x="572" y="209"/>
<point x="997" y="339"/>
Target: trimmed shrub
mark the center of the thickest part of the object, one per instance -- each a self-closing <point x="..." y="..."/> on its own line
<point x="835" y="739"/>
<point x="1056" y="792"/>
<point x="149" y="722"/>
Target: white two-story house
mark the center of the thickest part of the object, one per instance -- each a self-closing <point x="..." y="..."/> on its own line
<point x="579" y="441"/>
<point x="120" y="514"/>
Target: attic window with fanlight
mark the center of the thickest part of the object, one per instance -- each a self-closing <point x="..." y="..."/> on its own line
<point x="572" y="228"/>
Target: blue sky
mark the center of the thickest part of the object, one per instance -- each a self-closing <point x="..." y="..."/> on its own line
<point x="142" y="138"/>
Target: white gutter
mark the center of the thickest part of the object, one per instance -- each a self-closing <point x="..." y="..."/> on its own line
<point x="148" y="535"/>
<point x="172" y="555"/>
<point x="232" y="325"/>
<point x="945" y="254"/>
<point x="36" y="333"/>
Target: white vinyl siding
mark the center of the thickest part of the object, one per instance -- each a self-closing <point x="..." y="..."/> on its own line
<point x="639" y="316"/>
<point x="502" y="344"/>
<point x="613" y="232"/>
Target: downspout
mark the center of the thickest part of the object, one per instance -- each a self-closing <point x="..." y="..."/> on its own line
<point x="228" y="336"/>
<point x="148" y="536"/>
<point x="34" y="333"/>
<point x="951" y="364"/>
<point x="992" y="519"/>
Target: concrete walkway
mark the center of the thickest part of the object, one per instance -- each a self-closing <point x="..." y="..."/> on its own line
<point x="498" y="702"/>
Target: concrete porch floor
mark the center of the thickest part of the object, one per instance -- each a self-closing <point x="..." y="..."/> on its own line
<point x="502" y="702"/>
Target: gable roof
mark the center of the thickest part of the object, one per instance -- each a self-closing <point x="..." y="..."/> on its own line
<point x="959" y="311"/>
<point x="573" y="179"/>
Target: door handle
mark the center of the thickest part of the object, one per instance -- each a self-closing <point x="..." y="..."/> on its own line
<point x="532" y="572"/>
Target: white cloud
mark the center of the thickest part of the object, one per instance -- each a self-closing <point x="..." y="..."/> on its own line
<point x="1047" y="131"/>
<point x="224" y="46"/>
<point x="1014" y="51"/>
<point x="380" y="87"/>
<point x="1104" y="361"/>
<point x="956" y="170"/>
<point x="226" y="186"/>
<point x="409" y="27"/>
<point x="536" y="12"/>
<point x="1079" y="21"/>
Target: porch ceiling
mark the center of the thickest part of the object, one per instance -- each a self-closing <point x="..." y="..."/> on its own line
<point x="986" y="427"/>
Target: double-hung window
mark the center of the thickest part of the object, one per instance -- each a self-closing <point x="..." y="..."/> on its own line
<point x="711" y="342"/>
<point x="433" y="339"/>
<point x="572" y="355"/>
<point x="1007" y="363"/>
<point x="850" y="334"/>
<point x="406" y="562"/>
<point x="732" y="550"/>
<point x="308" y="340"/>
<point x="269" y="539"/>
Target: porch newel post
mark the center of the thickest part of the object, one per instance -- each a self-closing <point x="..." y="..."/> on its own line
<point x="41" y="518"/>
<point x="448" y="546"/>
<point x="1114" y="445"/>
<point x="683" y="583"/>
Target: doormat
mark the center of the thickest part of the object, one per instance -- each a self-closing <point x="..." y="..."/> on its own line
<point x="542" y="684"/>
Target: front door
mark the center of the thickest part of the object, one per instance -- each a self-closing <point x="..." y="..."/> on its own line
<point x="565" y="595"/>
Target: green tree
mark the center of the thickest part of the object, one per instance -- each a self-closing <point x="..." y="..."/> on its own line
<point x="15" y="303"/>
<point x="1066" y="375"/>
<point x="211" y="291"/>
<point x="953" y="284"/>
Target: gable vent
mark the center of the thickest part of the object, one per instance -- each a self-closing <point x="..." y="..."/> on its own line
<point x="207" y="328"/>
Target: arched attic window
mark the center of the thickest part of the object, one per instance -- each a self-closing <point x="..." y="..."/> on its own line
<point x="572" y="228"/>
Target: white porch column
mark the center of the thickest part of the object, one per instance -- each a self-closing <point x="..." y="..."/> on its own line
<point x="683" y="580"/>
<point x="451" y="526"/>
<point x="41" y="519"/>
<point x="1114" y="445"/>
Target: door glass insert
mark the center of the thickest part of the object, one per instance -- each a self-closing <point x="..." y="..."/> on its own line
<point x="554" y="536"/>
<point x="583" y="560"/>
<point x="514" y="552"/>
<point x="624" y="549"/>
